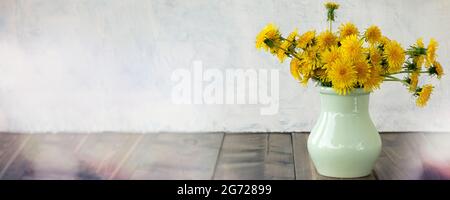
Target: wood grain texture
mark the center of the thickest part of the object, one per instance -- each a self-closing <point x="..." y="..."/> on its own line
<point x="204" y="156"/>
<point x="45" y="156"/>
<point x="10" y="147"/>
<point x="401" y="156"/>
<point x="174" y="156"/>
<point x="102" y="156"/>
<point x="256" y="156"/>
<point x="304" y="167"/>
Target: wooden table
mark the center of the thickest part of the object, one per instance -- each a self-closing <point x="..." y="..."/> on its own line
<point x="197" y="156"/>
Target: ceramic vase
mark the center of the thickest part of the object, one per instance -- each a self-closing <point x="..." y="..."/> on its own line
<point x="344" y="142"/>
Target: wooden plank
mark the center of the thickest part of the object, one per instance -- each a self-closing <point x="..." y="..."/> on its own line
<point x="304" y="167"/>
<point x="256" y="156"/>
<point x="401" y="156"/>
<point x="174" y="156"/>
<point x="193" y="156"/>
<point x="10" y="147"/>
<point x="102" y="155"/>
<point x="45" y="156"/>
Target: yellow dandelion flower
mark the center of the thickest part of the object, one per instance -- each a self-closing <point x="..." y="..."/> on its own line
<point x="330" y="55"/>
<point x="384" y="40"/>
<point x="286" y="45"/>
<point x="352" y="46"/>
<point x="306" y="67"/>
<point x="342" y="75"/>
<point x="292" y="36"/>
<point x="306" y="39"/>
<point x="347" y="30"/>
<point x="375" y="56"/>
<point x="260" y="38"/>
<point x="281" y="52"/>
<point x="306" y="72"/>
<point x="310" y="58"/>
<point x="305" y="78"/>
<point x="362" y="69"/>
<point x="375" y="79"/>
<point x="321" y="74"/>
<point x="419" y="60"/>
<point x="373" y="34"/>
<point x="413" y="81"/>
<point x="395" y="56"/>
<point x="269" y="32"/>
<point x="331" y="5"/>
<point x="420" y="43"/>
<point x="303" y="69"/>
<point x="431" y="52"/>
<point x="326" y="39"/>
<point x="300" y="71"/>
<point x="424" y="95"/>
<point x="295" y="65"/>
<point x="438" y="70"/>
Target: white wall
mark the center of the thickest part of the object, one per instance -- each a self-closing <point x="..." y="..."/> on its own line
<point x="105" y="65"/>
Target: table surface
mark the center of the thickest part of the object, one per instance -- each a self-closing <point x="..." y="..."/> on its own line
<point x="201" y="156"/>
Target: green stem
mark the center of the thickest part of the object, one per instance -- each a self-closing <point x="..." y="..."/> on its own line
<point x="403" y="72"/>
<point x="331" y="28"/>
<point x="287" y="51"/>
<point x="292" y="42"/>
<point x="293" y="54"/>
<point x="393" y="78"/>
<point x="389" y="76"/>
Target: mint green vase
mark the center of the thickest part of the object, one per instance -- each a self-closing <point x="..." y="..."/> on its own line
<point x="344" y="142"/>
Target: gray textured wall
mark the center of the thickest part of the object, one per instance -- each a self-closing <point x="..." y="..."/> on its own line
<point x="96" y="65"/>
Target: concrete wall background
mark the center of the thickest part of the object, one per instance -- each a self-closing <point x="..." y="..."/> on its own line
<point x="105" y="65"/>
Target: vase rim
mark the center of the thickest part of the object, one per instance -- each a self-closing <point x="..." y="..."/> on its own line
<point x="355" y="92"/>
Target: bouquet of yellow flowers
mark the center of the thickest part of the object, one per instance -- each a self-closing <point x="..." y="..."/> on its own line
<point x="348" y="59"/>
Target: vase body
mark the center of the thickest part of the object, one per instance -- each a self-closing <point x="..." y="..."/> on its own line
<point x="344" y="142"/>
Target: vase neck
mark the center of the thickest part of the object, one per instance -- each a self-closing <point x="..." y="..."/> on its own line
<point x="353" y="103"/>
